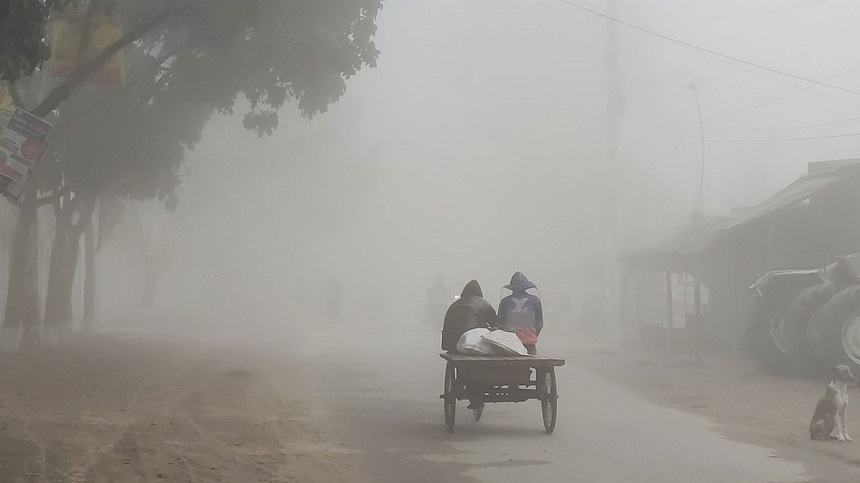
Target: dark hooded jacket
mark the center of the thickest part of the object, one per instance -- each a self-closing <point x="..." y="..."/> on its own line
<point x="468" y="312"/>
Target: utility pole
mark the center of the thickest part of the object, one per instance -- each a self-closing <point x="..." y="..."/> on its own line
<point x="695" y="90"/>
<point x="609" y="238"/>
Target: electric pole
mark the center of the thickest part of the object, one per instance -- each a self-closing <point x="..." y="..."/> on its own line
<point x="695" y="90"/>
<point x="612" y="173"/>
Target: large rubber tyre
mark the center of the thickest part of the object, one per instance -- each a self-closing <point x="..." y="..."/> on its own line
<point x="834" y="330"/>
<point x="767" y="321"/>
<point x="767" y="329"/>
<point x="795" y="324"/>
<point x="549" y="400"/>
<point x="449" y="398"/>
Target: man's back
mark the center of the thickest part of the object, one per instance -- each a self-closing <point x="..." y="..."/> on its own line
<point x="470" y="311"/>
<point x="521" y="310"/>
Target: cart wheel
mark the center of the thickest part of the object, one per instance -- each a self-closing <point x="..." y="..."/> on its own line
<point x="477" y="413"/>
<point x="549" y="400"/>
<point x="450" y="399"/>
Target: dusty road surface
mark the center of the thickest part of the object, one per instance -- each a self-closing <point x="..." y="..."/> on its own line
<point x="744" y="401"/>
<point x="380" y="397"/>
<point x="349" y="406"/>
<point x="170" y="407"/>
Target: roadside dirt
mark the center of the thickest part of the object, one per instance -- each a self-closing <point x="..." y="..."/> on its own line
<point x="145" y="408"/>
<point x="743" y="401"/>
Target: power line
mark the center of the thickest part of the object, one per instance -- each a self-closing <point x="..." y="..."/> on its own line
<point x="808" y="138"/>
<point x="813" y="83"/>
<point x="798" y="91"/>
<point x="791" y="128"/>
<point x="754" y="106"/>
<point x="703" y="49"/>
<point x="663" y="119"/>
<point x="793" y="86"/>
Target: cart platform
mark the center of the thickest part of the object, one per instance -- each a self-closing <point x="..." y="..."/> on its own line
<point x="467" y="361"/>
<point x="495" y="379"/>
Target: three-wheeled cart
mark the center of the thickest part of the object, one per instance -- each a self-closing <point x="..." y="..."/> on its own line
<point x="500" y="379"/>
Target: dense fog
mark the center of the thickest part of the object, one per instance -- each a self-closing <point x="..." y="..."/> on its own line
<point x="478" y="147"/>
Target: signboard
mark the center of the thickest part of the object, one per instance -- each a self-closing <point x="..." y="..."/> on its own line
<point x="22" y="143"/>
<point x="7" y="106"/>
<point x="66" y="54"/>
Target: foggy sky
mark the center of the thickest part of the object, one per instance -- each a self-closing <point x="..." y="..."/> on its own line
<point x="476" y="149"/>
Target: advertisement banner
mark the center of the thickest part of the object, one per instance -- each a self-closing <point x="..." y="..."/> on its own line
<point x="66" y="54"/>
<point x="22" y="143"/>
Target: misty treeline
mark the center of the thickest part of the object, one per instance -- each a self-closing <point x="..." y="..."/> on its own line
<point x="186" y="60"/>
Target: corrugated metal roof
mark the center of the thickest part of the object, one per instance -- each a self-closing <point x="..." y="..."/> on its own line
<point x="798" y="191"/>
<point x="696" y="238"/>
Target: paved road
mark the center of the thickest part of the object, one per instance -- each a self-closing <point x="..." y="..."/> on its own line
<point x="380" y="399"/>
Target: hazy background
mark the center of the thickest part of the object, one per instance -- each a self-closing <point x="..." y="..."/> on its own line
<point x="476" y="149"/>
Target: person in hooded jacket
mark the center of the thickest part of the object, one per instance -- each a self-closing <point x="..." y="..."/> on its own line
<point x="468" y="312"/>
<point x="521" y="312"/>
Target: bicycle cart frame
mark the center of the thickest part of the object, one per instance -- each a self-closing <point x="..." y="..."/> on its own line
<point x="500" y="379"/>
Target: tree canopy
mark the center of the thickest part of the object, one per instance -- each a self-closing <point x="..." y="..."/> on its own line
<point x="23" y="46"/>
<point x="200" y="60"/>
<point x="186" y="60"/>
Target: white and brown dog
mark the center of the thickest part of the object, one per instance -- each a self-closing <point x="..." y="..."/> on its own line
<point x="830" y="419"/>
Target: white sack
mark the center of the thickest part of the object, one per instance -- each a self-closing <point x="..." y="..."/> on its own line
<point x="507" y="342"/>
<point x="470" y="343"/>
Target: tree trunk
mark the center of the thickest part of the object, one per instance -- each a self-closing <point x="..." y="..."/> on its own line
<point x="22" y="317"/>
<point x="89" y="279"/>
<point x="62" y="268"/>
<point x="61" y="277"/>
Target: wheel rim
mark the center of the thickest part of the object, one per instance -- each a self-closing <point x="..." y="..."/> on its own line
<point x="851" y="337"/>
<point x="450" y="400"/>
<point x="548" y="401"/>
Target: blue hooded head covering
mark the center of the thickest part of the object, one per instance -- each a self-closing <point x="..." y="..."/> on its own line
<point x="519" y="283"/>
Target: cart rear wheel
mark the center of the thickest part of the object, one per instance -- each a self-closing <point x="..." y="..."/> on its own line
<point x="549" y="400"/>
<point x="450" y="398"/>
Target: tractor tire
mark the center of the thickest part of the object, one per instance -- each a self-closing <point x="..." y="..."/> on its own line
<point x="792" y="334"/>
<point x="833" y="334"/>
<point x="766" y="317"/>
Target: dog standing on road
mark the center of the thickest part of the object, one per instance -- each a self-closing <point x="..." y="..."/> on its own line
<point x="831" y="411"/>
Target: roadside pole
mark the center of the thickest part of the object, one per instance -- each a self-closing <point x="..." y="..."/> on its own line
<point x="609" y="238"/>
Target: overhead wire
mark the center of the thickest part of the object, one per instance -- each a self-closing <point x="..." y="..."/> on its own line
<point x="776" y="140"/>
<point x="662" y="118"/>
<point x="790" y="128"/>
<point x="812" y="82"/>
<point x="704" y="49"/>
<point x="798" y="91"/>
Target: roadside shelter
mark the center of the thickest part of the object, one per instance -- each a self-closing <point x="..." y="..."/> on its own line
<point x="695" y="282"/>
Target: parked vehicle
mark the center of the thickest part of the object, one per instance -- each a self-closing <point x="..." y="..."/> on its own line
<point x="807" y="320"/>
